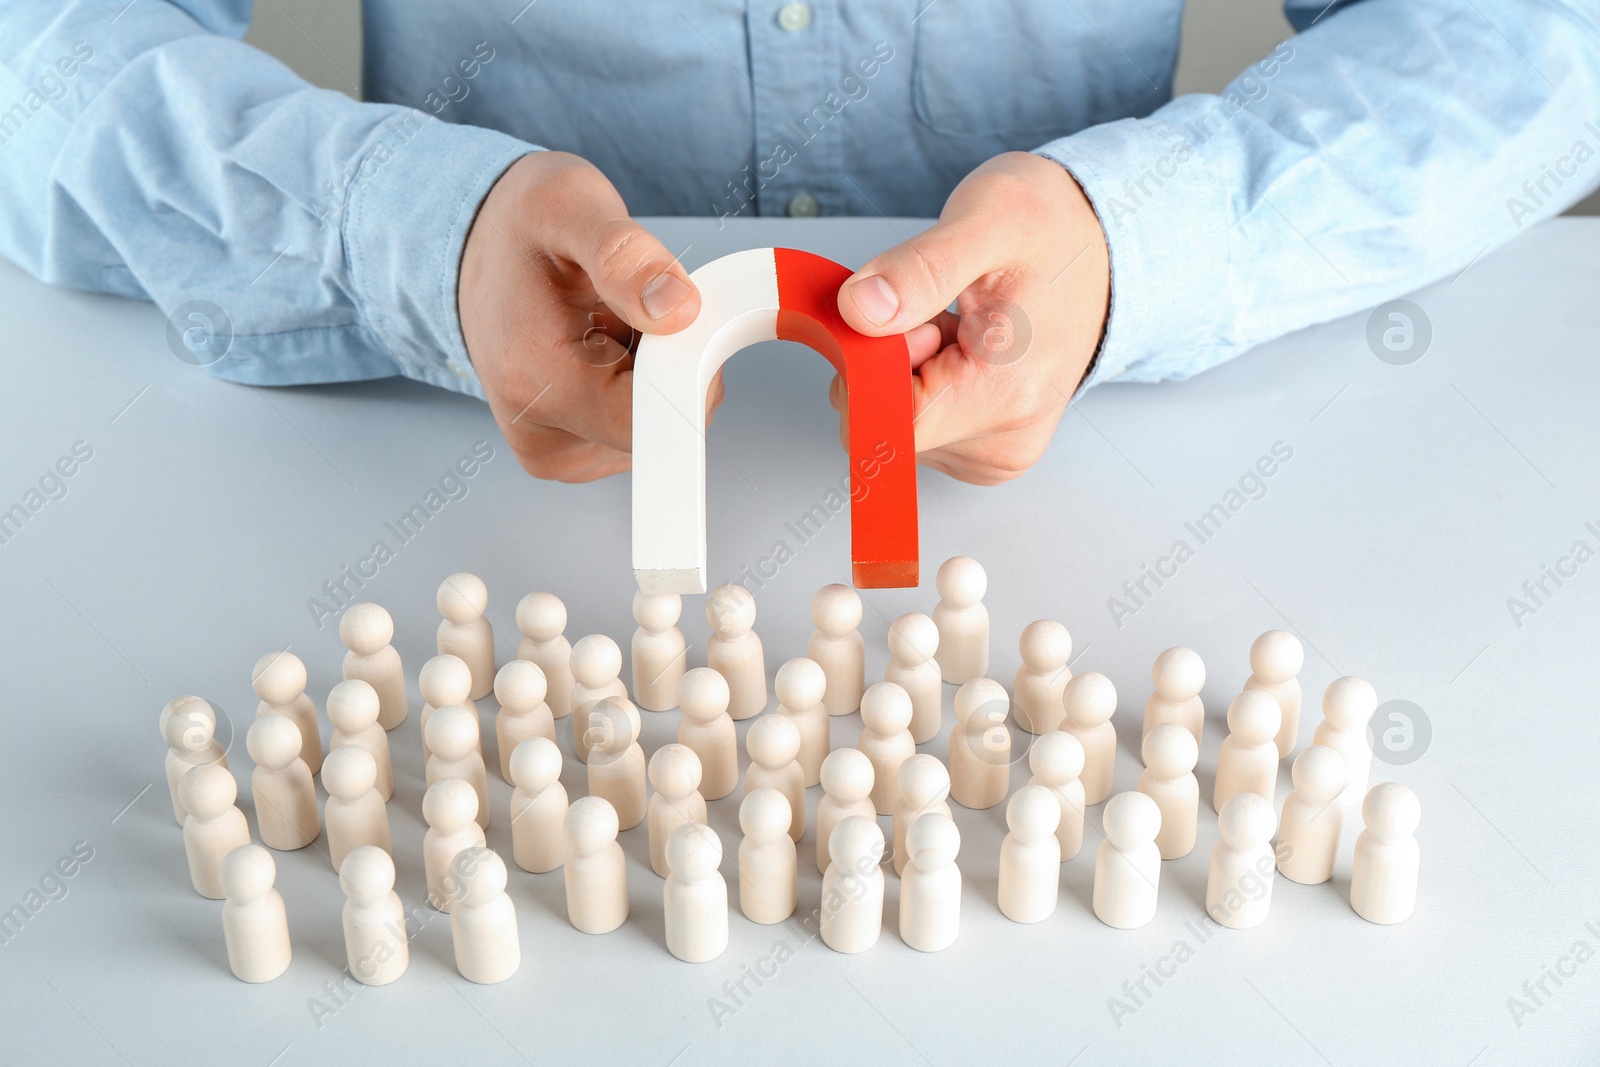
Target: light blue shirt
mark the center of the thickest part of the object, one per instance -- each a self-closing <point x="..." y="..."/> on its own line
<point x="145" y="151"/>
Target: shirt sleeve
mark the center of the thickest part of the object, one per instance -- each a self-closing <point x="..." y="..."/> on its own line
<point x="146" y="151"/>
<point x="1387" y="145"/>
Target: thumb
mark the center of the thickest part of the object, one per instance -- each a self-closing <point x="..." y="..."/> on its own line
<point x="631" y="271"/>
<point x="913" y="282"/>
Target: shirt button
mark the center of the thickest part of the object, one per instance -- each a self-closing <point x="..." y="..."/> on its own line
<point x="794" y="17"/>
<point x="804" y="206"/>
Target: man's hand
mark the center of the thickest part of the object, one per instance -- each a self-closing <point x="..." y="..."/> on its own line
<point x="556" y="279"/>
<point x="1019" y="250"/>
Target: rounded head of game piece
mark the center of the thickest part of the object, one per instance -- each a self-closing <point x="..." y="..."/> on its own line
<point x="172" y="706"/>
<point x="913" y="639"/>
<point x="596" y="660"/>
<point x="1246" y="821"/>
<point x="800" y="683"/>
<point x="1179" y="675"/>
<point x="452" y="732"/>
<point x="591" y="824"/>
<point x="885" y="708"/>
<point x="932" y="840"/>
<point x="462" y="597"/>
<point x="773" y="741"/>
<point x="731" y="610"/>
<point x="349" y="772"/>
<point x="541" y="616"/>
<point x="207" y="790"/>
<point x="1056" y="757"/>
<point x="535" y="764"/>
<point x="693" y="851"/>
<point x="278" y="677"/>
<point x="248" y="873"/>
<point x="1390" y="811"/>
<point x="366" y="628"/>
<point x="1131" y="820"/>
<point x="856" y="842"/>
<point x="273" y="741"/>
<point x="445" y="679"/>
<point x="656" y="612"/>
<point x="614" y="724"/>
<point x="190" y="726"/>
<point x="479" y="875"/>
<point x="1319" y="774"/>
<point x="982" y="701"/>
<point x="923" y="781"/>
<point x="1170" y="750"/>
<point x="450" y="804"/>
<point x="703" y="694"/>
<point x="1089" y="699"/>
<point x="352" y="706"/>
<point x="764" y="814"/>
<point x="367" y="874"/>
<point x="836" y="610"/>
<point x="674" y="770"/>
<point x="520" y="685"/>
<point x="1254" y="717"/>
<point x="1349" y="703"/>
<point x="1276" y="656"/>
<point x="1045" y="645"/>
<point x="961" y="581"/>
<point x="847" y="775"/>
<point x="1033" y="813"/>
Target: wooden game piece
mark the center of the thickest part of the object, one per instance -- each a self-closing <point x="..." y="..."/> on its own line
<point x="913" y="643"/>
<point x="353" y="708"/>
<point x="852" y="886"/>
<point x="886" y="739"/>
<point x="188" y="725"/>
<point x="1347" y="707"/>
<point x="376" y="946"/>
<point x="1089" y="701"/>
<point x="1170" y="755"/>
<point x="846" y="791"/>
<point x="595" y="875"/>
<point x="1247" y="762"/>
<point x="800" y="685"/>
<point x="452" y="736"/>
<point x="450" y="808"/>
<point x="445" y="680"/>
<point x="1275" y="660"/>
<point x="520" y="688"/>
<point x="922" y="786"/>
<point x="279" y="679"/>
<point x="596" y="674"/>
<point x="1036" y="692"/>
<point x="1056" y="762"/>
<point x="177" y="703"/>
<point x="962" y="620"/>
<point x="759" y="295"/>
<point x="1179" y="674"/>
<point x="366" y="630"/>
<point x="773" y="745"/>
<point x="465" y="633"/>
<point x="980" y="745"/>
<point x="930" y="885"/>
<point x="254" y="922"/>
<point x="1313" y="818"/>
<point x="660" y="651"/>
<point x="694" y="900"/>
<point x="674" y="773"/>
<point x="213" y="825"/>
<point x="1127" y="866"/>
<point x="542" y="618"/>
<point x="483" y="923"/>
<point x="707" y="728"/>
<point x="281" y="786"/>
<point x="768" y="863"/>
<point x="616" y="760"/>
<point x="838" y="647"/>
<point x="1030" y="856"/>
<point x="1383" y="880"/>
<point x="734" y="650"/>
<point x="538" y="806"/>
<point x="354" y="814"/>
<point x="1239" y="887"/>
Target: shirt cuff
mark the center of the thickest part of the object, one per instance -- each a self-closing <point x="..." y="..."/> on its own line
<point x="412" y="202"/>
<point x="1165" y="221"/>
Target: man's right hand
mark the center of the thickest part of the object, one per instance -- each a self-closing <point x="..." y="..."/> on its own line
<point x="555" y="280"/>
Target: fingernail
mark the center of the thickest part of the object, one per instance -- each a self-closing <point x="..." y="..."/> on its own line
<point x="875" y="299"/>
<point x="664" y="293"/>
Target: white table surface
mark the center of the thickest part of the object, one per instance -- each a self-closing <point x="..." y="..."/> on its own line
<point x="1417" y="500"/>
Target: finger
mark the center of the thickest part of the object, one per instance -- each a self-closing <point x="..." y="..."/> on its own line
<point x="556" y="455"/>
<point x="914" y="282"/>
